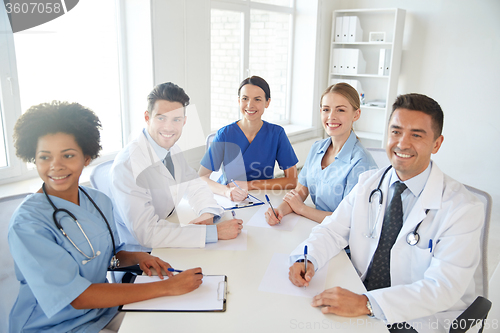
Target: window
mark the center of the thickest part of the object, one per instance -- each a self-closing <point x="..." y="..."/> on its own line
<point x="250" y="38"/>
<point x="72" y="58"/>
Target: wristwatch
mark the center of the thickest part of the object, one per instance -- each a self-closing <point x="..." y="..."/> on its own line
<point x="369" y="307"/>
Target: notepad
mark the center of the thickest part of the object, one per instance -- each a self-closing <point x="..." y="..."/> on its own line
<point x="209" y="297"/>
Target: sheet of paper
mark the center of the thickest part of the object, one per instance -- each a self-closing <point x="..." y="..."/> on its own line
<point x="226" y="203"/>
<point x="276" y="279"/>
<point x="208" y="297"/>
<point x="258" y="220"/>
<point x="237" y="244"/>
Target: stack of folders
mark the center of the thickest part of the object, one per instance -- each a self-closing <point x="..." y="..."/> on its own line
<point x="384" y="62"/>
<point x="354" y="83"/>
<point x="348" y="61"/>
<point x="348" y="29"/>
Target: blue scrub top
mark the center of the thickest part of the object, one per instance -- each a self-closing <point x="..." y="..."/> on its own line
<point x="242" y="160"/>
<point x="50" y="268"/>
<point x="329" y="186"/>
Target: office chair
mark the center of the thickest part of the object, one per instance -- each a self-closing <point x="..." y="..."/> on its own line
<point x="99" y="178"/>
<point x="9" y="286"/>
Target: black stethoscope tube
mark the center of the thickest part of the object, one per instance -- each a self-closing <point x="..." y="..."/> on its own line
<point x="114" y="261"/>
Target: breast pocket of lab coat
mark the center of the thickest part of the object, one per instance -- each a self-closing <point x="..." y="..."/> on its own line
<point x="421" y="257"/>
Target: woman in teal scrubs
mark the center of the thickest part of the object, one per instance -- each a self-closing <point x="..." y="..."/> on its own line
<point x="62" y="272"/>
<point x="248" y="148"/>
<point x="333" y="164"/>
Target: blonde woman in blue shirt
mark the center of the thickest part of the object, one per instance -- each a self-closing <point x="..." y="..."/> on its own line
<point x="333" y="164"/>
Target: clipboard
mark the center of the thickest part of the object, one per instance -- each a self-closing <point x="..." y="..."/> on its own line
<point x="210" y="296"/>
<point x="227" y="204"/>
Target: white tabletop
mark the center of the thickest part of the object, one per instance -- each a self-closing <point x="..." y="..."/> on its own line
<point x="248" y="308"/>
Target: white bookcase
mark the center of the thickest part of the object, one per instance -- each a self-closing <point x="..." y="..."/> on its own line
<point x="371" y="128"/>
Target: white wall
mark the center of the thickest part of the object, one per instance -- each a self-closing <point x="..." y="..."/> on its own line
<point x="451" y="52"/>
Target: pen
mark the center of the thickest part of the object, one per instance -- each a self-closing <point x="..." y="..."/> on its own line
<point x="170" y="269"/>
<point x="430" y="245"/>
<point x="234" y="214"/>
<point x="269" y="202"/>
<point x="305" y="263"/>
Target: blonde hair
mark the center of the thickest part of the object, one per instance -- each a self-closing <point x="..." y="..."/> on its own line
<point x="346" y="91"/>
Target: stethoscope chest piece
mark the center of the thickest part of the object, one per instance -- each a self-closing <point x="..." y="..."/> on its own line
<point x="412" y="238"/>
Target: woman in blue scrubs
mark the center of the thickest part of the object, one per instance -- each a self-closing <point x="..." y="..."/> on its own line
<point x="248" y="148"/>
<point x="61" y="257"/>
<point x="333" y="164"/>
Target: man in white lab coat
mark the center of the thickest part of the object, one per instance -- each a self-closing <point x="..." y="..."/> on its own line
<point x="149" y="177"/>
<point x="429" y="283"/>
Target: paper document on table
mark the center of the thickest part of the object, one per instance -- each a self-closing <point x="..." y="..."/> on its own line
<point x="276" y="279"/>
<point x="237" y="244"/>
<point x="227" y="204"/>
<point x="210" y="296"/>
<point x="258" y="220"/>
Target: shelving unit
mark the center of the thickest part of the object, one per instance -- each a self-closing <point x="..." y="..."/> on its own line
<point x="371" y="128"/>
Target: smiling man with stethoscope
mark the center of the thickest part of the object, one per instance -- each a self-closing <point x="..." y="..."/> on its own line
<point x="414" y="233"/>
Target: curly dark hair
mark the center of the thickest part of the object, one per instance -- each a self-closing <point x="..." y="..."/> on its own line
<point x="57" y="117"/>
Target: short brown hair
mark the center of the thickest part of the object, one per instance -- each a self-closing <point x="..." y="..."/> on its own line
<point x="422" y="103"/>
<point x="167" y="91"/>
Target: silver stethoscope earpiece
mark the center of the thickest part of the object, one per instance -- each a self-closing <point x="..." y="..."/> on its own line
<point x="412" y="238"/>
<point x="114" y="261"/>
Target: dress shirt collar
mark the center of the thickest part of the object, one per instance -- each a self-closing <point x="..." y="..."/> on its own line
<point x="415" y="184"/>
<point x="345" y="153"/>
<point x="160" y="151"/>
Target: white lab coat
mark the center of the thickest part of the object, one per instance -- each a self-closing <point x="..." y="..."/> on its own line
<point x="426" y="286"/>
<point x="144" y="193"/>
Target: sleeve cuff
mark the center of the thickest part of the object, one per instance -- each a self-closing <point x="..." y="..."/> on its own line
<point x="211" y="235"/>
<point x="377" y="311"/>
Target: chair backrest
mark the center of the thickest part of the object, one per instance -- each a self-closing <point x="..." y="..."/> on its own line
<point x="9" y="286"/>
<point x="216" y="174"/>
<point x="380" y="157"/>
<point x="209" y="140"/>
<point x="100" y="179"/>
<point x="481" y="275"/>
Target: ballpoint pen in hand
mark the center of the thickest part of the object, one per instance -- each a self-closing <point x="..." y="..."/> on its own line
<point x="234" y="214"/>
<point x="305" y="263"/>
<point x="269" y="202"/>
<point x="248" y="194"/>
<point x="170" y="269"/>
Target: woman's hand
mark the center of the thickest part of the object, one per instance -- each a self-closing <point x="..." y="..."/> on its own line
<point x="236" y="194"/>
<point x="271" y="219"/>
<point x="147" y="261"/>
<point x="184" y="282"/>
<point x="294" y="200"/>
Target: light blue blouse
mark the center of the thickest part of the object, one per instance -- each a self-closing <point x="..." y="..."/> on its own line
<point x="50" y="268"/>
<point x="329" y="186"/>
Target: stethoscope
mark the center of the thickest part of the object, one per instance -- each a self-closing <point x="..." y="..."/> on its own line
<point x="114" y="261"/>
<point x="412" y="238"/>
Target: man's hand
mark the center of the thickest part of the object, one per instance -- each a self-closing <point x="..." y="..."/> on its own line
<point x="229" y="229"/>
<point x="341" y="302"/>
<point x="298" y="276"/>
<point x="236" y="194"/>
